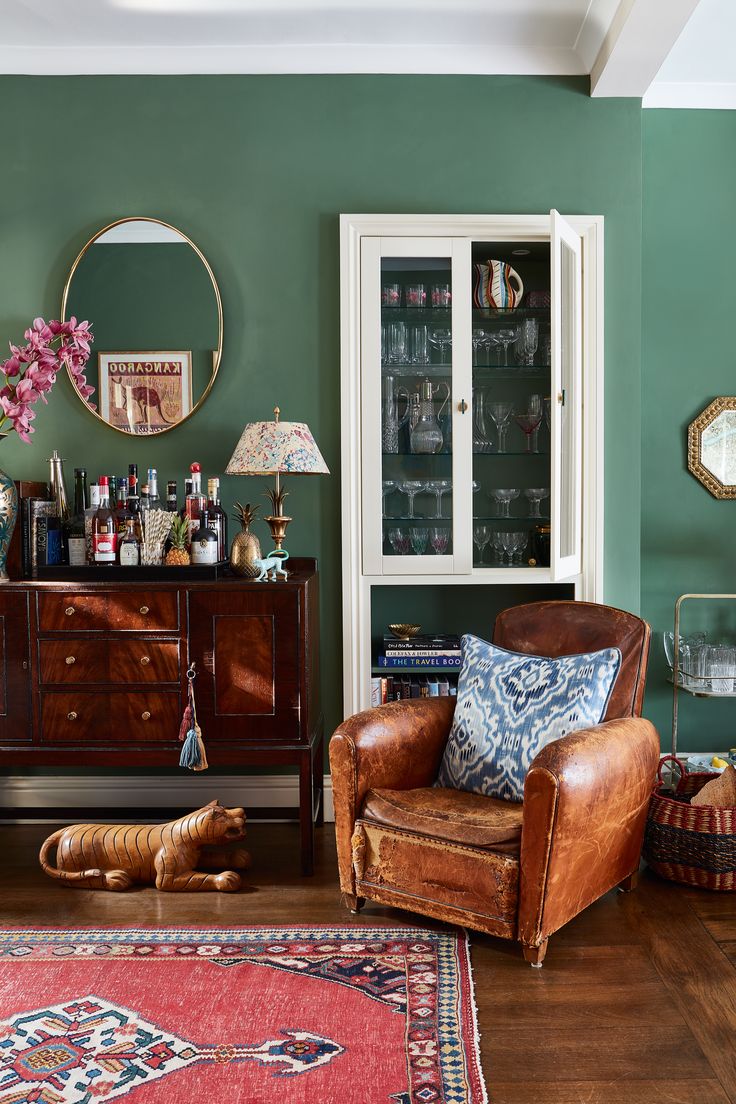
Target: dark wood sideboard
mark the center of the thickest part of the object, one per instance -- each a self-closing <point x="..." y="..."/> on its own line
<point x="93" y="674"/>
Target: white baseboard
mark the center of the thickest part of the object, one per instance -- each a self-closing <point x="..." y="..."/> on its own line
<point x="265" y="791"/>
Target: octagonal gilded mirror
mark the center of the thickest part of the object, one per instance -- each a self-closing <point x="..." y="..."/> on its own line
<point x="711" y="447"/>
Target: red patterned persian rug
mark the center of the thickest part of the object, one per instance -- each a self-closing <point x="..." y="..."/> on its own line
<point x="238" y="1016"/>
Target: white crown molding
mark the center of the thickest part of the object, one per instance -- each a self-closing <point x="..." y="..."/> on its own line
<point x="688" y="94"/>
<point x="270" y="791"/>
<point x="481" y="60"/>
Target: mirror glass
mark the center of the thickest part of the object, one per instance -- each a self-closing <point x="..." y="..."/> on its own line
<point x="156" y="315"/>
<point x="712" y="447"/>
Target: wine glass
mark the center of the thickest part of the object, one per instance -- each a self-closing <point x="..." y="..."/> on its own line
<point x="504" y="496"/>
<point x="506" y="540"/>
<point x="399" y="541"/>
<point x="506" y="338"/>
<point x="439" y="536"/>
<point x="387" y="488"/>
<point x="528" y="341"/>
<point x="441" y="338"/>
<point x="418" y="537"/>
<point x="528" y="424"/>
<point x="518" y="544"/>
<point x="547" y="407"/>
<point x="501" y="412"/>
<point x="481" y="537"/>
<point x="536" y="495"/>
<point x="439" y="487"/>
<point x="480" y="433"/>
<point x="497" y="547"/>
<point x="411" y="488"/>
<point x="534" y="406"/>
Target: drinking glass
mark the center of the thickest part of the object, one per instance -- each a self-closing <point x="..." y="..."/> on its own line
<point x="481" y="537"/>
<point x="506" y="541"/>
<point x="388" y="486"/>
<point x="384" y="343"/>
<point x="504" y="496"/>
<point x="397" y="350"/>
<point x="411" y="488"/>
<point x="480" y="431"/>
<point x="536" y="495"/>
<point x="476" y="486"/>
<point x="506" y="338"/>
<point x="439" y="487"/>
<point x="416" y="295"/>
<point x="722" y="665"/>
<point x="501" y="412"/>
<point x="497" y="547"/>
<point x="441" y="295"/>
<point x="419" y="344"/>
<point x="518" y="545"/>
<point x="479" y="342"/>
<point x="399" y="540"/>
<point x="526" y="346"/>
<point x="547" y="406"/>
<point x="439" y="536"/>
<point x="441" y="338"/>
<point x="391" y="295"/>
<point x="534" y="407"/>
<point x="528" y="424"/>
<point x="418" y="537"/>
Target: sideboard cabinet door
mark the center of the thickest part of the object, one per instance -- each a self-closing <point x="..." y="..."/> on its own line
<point x="15" y="696"/>
<point x="248" y="655"/>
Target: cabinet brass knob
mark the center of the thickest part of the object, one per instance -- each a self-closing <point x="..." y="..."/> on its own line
<point x="69" y="611"/>
<point x="69" y="660"/>
<point x="71" y="716"/>
<point x="462" y="406"/>
<point x="145" y="715"/>
<point x="145" y="660"/>
<point x="144" y="610"/>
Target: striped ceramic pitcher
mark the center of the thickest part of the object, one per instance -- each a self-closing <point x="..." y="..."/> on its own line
<point x="497" y="285"/>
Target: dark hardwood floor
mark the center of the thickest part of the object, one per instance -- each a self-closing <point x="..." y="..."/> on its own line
<point x="636" y="1003"/>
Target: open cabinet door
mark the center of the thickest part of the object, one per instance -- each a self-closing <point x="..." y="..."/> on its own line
<point x="566" y="497"/>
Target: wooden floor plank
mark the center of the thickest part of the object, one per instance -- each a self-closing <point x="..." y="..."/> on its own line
<point x="610" y="1092"/>
<point x="576" y="1005"/>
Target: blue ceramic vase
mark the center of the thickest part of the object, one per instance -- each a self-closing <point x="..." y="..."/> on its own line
<point x="8" y="518"/>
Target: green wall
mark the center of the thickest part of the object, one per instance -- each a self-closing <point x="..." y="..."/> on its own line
<point x="688" y="537"/>
<point x="256" y="171"/>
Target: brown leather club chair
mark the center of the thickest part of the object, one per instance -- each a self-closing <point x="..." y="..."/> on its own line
<point x="519" y="871"/>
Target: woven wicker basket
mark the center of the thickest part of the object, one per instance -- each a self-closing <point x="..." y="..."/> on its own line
<point x="694" y="844"/>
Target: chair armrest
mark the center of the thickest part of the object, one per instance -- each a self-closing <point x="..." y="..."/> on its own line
<point x="397" y="746"/>
<point x="585" y="806"/>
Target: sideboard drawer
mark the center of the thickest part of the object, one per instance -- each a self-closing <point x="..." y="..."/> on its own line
<point x="110" y="719"/>
<point x="63" y="662"/>
<point x="112" y="611"/>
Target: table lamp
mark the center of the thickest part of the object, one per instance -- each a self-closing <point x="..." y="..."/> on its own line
<point x="270" y="448"/>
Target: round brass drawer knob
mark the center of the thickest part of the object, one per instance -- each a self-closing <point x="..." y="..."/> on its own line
<point x="70" y="660"/>
<point x="69" y="611"/>
<point x="144" y="610"/>
<point x="145" y="660"/>
<point x="71" y="716"/>
<point x="145" y="715"/>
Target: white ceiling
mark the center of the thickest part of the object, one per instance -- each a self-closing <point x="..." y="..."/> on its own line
<point x="621" y="43"/>
<point x="700" y="70"/>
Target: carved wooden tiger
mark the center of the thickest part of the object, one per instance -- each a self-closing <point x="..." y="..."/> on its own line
<point x="115" y="856"/>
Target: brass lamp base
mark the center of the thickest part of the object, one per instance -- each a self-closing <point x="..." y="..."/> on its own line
<point x="277" y="523"/>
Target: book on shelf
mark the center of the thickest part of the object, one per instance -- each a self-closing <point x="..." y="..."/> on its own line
<point x="439" y="643"/>
<point x="390" y="689"/>
<point x="418" y="662"/>
<point x="423" y="653"/>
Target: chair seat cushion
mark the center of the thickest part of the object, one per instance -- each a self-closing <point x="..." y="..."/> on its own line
<point x="451" y="815"/>
<point x="510" y="705"/>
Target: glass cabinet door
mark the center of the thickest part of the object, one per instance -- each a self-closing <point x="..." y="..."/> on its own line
<point x="408" y="340"/>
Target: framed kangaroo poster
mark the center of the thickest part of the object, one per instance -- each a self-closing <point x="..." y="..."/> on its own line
<point x="145" y="393"/>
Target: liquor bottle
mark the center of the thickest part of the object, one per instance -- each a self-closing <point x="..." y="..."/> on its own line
<point x="129" y="547"/>
<point x="154" y="502"/>
<point x="74" y="530"/>
<point x="172" y="501"/>
<point x="134" y="498"/>
<point x="187" y="492"/>
<point x="195" y="503"/>
<point x="104" y="528"/>
<point x="89" y="513"/>
<point x="204" y="542"/>
<point x="217" y="517"/>
<point x="122" y="511"/>
<point x="144" y="502"/>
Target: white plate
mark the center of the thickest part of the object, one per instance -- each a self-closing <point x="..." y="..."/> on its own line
<point x="702" y="763"/>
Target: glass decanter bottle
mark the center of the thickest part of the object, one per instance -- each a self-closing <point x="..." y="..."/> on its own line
<point x="426" y="436"/>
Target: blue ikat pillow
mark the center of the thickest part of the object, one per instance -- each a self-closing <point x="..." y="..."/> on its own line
<point x="509" y="706"/>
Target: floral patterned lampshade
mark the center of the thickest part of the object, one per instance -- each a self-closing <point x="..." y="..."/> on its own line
<point x="273" y="448"/>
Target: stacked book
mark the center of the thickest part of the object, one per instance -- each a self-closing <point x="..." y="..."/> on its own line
<point x="421" y="652"/>
<point x="403" y="687"/>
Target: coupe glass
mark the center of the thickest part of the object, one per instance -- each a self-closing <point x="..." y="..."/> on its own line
<point x="441" y="338"/>
<point x="506" y="338"/>
<point x="439" y="487"/>
<point x="418" y="536"/>
<point x="411" y="488"/>
<point x="399" y="541"/>
<point x="528" y="424"/>
<point x="501" y="413"/>
<point x="536" y="496"/>
<point x="481" y="537"/>
<point x="388" y="486"/>
<point x="504" y="496"/>
<point x="479" y="342"/>
<point x="439" y="537"/>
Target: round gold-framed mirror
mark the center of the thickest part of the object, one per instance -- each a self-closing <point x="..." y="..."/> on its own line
<point x="156" y="314"/>
<point x="711" y="447"/>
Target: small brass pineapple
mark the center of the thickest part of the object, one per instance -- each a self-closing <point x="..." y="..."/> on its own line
<point x="178" y="555"/>
<point x="246" y="547"/>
